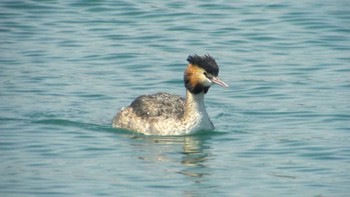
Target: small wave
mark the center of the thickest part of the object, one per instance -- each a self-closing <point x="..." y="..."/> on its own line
<point x="77" y="124"/>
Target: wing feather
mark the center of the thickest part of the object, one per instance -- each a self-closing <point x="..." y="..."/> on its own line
<point x="159" y="104"/>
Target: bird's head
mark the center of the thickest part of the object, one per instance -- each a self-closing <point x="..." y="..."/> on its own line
<point x="201" y="73"/>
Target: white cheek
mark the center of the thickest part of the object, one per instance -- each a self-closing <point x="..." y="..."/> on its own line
<point x="206" y="82"/>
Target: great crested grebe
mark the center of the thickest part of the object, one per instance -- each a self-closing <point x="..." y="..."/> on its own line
<point x="167" y="114"/>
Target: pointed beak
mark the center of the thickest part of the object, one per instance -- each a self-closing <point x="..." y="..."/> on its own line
<point x="218" y="81"/>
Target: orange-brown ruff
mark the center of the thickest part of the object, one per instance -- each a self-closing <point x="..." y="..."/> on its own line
<point x="167" y="114"/>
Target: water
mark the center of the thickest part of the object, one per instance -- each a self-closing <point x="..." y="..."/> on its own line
<point x="282" y="128"/>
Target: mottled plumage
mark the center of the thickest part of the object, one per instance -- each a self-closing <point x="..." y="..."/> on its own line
<point x="159" y="104"/>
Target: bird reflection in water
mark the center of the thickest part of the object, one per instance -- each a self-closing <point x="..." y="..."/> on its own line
<point x="194" y="151"/>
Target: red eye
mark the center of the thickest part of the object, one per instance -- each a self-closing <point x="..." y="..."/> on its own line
<point x="207" y="75"/>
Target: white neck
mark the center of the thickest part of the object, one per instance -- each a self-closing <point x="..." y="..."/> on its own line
<point x="196" y="116"/>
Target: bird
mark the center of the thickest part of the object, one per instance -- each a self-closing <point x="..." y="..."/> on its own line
<point x="166" y="114"/>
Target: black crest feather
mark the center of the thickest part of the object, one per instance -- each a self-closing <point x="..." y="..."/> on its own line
<point x="206" y="62"/>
